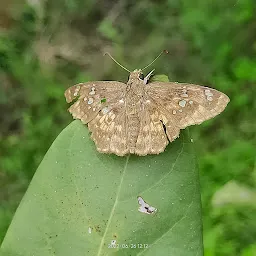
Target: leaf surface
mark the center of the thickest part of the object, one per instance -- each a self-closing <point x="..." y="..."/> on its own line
<point x="79" y="201"/>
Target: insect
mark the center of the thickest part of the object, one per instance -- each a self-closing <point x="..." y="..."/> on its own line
<point x="141" y="117"/>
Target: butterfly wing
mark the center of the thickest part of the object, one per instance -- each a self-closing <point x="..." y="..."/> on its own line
<point x="109" y="131"/>
<point x="101" y="105"/>
<point x="152" y="138"/>
<point x="92" y="97"/>
<point x="182" y="104"/>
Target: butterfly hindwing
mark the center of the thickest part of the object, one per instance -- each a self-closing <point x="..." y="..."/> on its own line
<point x="109" y="130"/>
<point x="151" y="138"/>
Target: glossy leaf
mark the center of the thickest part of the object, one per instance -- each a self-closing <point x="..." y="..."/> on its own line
<point x="80" y="200"/>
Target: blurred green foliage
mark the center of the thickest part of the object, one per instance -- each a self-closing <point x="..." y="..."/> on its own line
<point x="57" y="43"/>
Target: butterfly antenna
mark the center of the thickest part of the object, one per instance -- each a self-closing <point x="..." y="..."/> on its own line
<point x="107" y="53"/>
<point x="164" y="51"/>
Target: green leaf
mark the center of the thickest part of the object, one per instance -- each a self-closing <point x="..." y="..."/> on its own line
<point x="161" y="78"/>
<point x="107" y="29"/>
<point x="80" y="200"/>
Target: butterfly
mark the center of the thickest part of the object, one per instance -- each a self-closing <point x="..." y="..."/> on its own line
<point x="141" y="117"/>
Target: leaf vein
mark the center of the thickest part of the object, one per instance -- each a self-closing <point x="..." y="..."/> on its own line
<point x="114" y="207"/>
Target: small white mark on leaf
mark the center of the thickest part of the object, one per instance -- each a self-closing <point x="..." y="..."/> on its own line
<point x="190" y="102"/>
<point x="180" y="110"/>
<point x="174" y="112"/>
<point x="144" y="207"/>
<point x="209" y="98"/>
<point x="113" y="242"/>
<point x="121" y="101"/>
<point x="89" y="230"/>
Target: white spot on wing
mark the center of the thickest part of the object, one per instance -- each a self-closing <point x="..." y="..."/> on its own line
<point x="208" y="94"/>
<point x="105" y="110"/>
<point x="90" y="101"/>
<point x="77" y="90"/>
<point x="182" y="103"/>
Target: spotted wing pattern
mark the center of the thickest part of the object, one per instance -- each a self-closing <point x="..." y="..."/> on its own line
<point x="101" y="105"/>
<point x="181" y="105"/>
<point x="162" y="110"/>
<point x="91" y="97"/>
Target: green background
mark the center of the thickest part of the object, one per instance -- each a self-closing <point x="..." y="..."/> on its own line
<point x="47" y="46"/>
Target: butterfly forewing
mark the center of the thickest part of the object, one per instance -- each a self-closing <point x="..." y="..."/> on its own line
<point x="186" y="104"/>
<point x="92" y="97"/>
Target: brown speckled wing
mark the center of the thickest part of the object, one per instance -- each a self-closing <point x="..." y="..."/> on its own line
<point x="101" y="105"/>
<point x="152" y="138"/>
<point x="181" y="105"/>
<point x="92" y="97"/>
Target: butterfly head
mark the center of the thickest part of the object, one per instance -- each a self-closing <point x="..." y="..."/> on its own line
<point x="137" y="75"/>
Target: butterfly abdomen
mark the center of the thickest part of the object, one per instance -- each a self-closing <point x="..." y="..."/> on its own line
<point x="133" y="108"/>
<point x="133" y="131"/>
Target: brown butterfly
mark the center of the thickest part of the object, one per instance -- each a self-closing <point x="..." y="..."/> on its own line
<point x="141" y="117"/>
